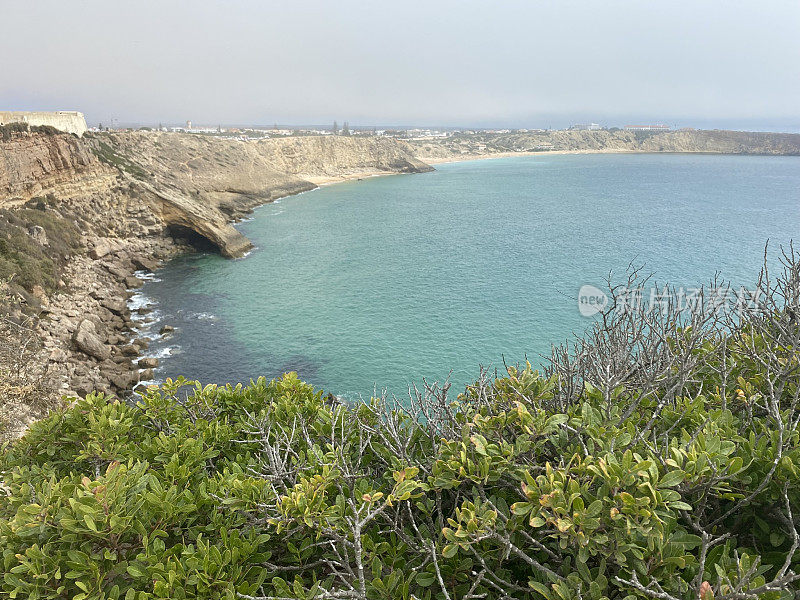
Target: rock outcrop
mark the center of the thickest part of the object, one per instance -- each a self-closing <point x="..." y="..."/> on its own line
<point x="174" y="208"/>
<point x="34" y="164"/>
<point x="88" y="342"/>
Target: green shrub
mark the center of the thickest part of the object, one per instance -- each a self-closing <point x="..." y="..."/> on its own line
<point x="112" y="157"/>
<point x="22" y="258"/>
<point x="8" y="130"/>
<point x="658" y="459"/>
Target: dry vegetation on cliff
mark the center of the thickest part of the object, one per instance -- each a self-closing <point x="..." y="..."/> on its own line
<point x="25" y="394"/>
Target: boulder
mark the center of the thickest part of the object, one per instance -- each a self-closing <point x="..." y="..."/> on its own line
<point x="124" y="362"/>
<point x="115" y="305"/>
<point x="82" y="386"/>
<point x="148" y="363"/>
<point x="38" y="234"/>
<point x="89" y="342"/>
<point x="166" y="329"/>
<point x="144" y="264"/>
<point x="126" y="380"/>
<point x="133" y="282"/>
<point x="129" y="350"/>
<point x="117" y="270"/>
<point x="102" y="246"/>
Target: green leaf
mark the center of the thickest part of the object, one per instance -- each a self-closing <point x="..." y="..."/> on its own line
<point x="90" y="522"/>
<point x="450" y="550"/>
<point x="521" y="508"/>
<point x="135" y="571"/>
<point x="555" y="421"/>
<point x="595" y="508"/>
<point x="536" y="522"/>
<point x="540" y="588"/>
<point x="671" y="479"/>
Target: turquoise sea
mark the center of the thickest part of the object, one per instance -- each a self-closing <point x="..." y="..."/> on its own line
<point x="389" y="280"/>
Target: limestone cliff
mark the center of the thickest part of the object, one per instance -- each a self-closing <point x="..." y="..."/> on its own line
<point x="35" y="164"/>
<point x="233" y="175"/>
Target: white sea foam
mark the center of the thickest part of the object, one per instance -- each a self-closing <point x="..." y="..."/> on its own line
<point x="203" y="316"/>
<point x="146" y="276"/>
<point x="165" y="352"/>
<point x="139" y="300"/>
<point x="146" y="321"/>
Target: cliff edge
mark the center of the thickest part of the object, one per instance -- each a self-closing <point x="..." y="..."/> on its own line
<point x="194" y="182"/>
<point x="203" y="182"/>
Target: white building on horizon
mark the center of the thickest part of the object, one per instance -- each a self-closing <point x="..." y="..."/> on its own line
<point x="647" y="128"/>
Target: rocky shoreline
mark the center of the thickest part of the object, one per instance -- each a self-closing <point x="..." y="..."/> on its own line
<point x="91" y="336"/>
<point x="88" y="333"/>
<point x="135" y="200"/>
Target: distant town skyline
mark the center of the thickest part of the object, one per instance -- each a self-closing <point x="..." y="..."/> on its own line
<point x="510" y="64"/>
<point x="785" y="126"/>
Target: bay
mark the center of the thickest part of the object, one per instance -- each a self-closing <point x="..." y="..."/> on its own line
<point x="388" y="280"/>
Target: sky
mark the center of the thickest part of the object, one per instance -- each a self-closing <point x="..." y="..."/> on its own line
<point x="470" y="63"/>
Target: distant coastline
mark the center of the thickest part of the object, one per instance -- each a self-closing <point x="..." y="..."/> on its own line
<point x="494" y="155"/>
<point x="479" y="146"/>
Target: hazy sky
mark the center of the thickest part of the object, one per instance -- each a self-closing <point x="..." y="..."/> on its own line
<point x="531" y="63"/>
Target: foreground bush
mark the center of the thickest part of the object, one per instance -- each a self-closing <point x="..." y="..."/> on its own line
<point x="656" y="459"/>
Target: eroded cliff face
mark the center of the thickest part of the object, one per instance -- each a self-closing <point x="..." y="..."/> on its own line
<point x="34" y="164"/>
<point x="233" y="175"/>
<point x="320" y="159"/>
<point x="197" y="182"/>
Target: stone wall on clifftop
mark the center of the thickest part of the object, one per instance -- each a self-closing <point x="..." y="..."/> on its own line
<point x="68" y="121"/>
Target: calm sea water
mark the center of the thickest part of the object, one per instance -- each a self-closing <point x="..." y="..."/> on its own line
<point x="390" y="280"/>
